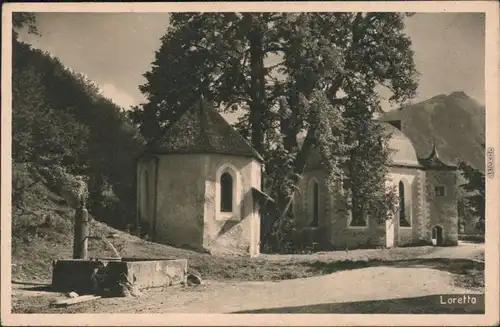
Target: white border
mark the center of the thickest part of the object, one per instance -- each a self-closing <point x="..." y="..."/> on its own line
<point x="492" y="184"/>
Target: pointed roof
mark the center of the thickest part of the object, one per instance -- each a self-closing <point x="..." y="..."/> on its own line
<point x="202" y="130"/>
<point x="432" y="161"/>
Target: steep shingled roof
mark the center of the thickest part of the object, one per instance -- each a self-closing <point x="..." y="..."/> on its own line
<point x="203" y="130"/>
<point x="434" y="161"/>
<point x="402" y="150"/>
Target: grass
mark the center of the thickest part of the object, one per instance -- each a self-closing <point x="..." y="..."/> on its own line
<point x="36" y="242"/>
<point x="32" y="257"/>
<point x="472" y="238"/>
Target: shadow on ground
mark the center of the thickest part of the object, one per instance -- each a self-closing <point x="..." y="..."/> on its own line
<point x="33" y="286"/>
<point x="462" y="268"/>
<point x="416" y="305"/>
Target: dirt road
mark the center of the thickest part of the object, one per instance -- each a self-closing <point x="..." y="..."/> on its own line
<point x="385" y="287"/>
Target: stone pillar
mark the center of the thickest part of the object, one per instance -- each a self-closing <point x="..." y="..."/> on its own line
<point x="81" y="233"/>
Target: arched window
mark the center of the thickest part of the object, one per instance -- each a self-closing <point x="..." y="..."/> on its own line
<point x="314" y="202"/>
<point x="145" y="194"/>
<point x="226" y="192"/>
<point x="404" y="218"/>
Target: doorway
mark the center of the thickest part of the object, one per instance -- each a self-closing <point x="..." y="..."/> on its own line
<point x="437" y="235"/>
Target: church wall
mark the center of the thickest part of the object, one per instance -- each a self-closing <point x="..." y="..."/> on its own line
<point x="237" y="234"/>
<point x="308" y="234"/>
<point x="334" y="230"/>
<point x="344" y="236"/>
<point x="181" y="189"/>
<point x="443" y="209"/>
<point x="414" y="184"/>
<point x="146" y="191"/>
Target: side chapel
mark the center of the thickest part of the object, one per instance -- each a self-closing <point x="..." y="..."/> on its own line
<point x="199" y="186"/>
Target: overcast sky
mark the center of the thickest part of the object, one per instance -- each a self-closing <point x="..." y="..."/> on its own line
<point x="115" y="49"/>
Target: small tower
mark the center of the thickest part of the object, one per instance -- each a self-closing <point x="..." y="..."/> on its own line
<point x="441" y="186"/>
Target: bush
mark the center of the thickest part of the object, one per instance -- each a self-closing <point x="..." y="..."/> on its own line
<point x="73" y="188"/>
<point x="21" y="182"/>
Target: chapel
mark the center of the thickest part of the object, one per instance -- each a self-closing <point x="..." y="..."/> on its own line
<point x="427" y="202"/>
<point x="199" y="186"/>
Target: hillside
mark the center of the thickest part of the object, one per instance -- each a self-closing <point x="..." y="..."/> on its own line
<point x="456" y="122"/>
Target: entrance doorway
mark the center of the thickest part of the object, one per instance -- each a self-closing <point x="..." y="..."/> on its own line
<point x="437" y="235"/>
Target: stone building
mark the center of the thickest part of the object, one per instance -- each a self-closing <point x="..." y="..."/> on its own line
<point x="427" y="213"/>
<point x="199" y="186"/>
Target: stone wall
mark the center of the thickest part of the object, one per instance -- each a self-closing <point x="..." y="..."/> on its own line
<point x="239" y="234"/>
<point x="414" y="185"/>
<point x="334" y="230"/>
<point x="180" y="205"/>
<point x="303" y="208"/>
<point x="443" y="209"/>
<point x="146" y="190"/>
<point x="186" y="204"/>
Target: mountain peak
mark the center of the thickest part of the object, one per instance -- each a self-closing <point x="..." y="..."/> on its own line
<point x="445" y="117"/>
<point x="459" y="94"/>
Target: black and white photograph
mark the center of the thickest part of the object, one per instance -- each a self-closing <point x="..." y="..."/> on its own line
<point x="250" y="160"/>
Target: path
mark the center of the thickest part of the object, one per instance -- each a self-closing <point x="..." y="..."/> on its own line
<point x="464" y="250"/>
<point x="343" y="291"/>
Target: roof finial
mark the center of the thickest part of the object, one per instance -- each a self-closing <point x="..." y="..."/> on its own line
<point x="434" y="152"/>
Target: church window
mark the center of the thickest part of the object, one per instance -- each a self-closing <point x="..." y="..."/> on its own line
<point x="226" y="193"/>
<point x="404" y="217"/>
<point x="439" y="190"/>
<point x="346" y="184"/>
<point x="145" y="195"/>
<point x="314" y="204"/>
<point x="357" y="215"/>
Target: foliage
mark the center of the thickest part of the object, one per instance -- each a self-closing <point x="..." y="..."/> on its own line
<point x="73" y="189"/>
<point x="64" y="127"/>
<point x="369" y="197"/>
<point x="23" y="180"/>
<point x="473" y="194"/>
<point x="324" y="84"/>
<point x="21" y="20"/>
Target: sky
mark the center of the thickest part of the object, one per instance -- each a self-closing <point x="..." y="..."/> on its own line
<point x="116" y="49"/>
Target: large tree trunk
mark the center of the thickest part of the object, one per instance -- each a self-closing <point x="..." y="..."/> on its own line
<point x="257" y="87"/>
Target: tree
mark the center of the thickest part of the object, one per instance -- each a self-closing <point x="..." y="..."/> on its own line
<point x="61" y="120"/>
<point x="21" y="20"/>
<point x="324" y="84"/>
<point x="473" y="194"/>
